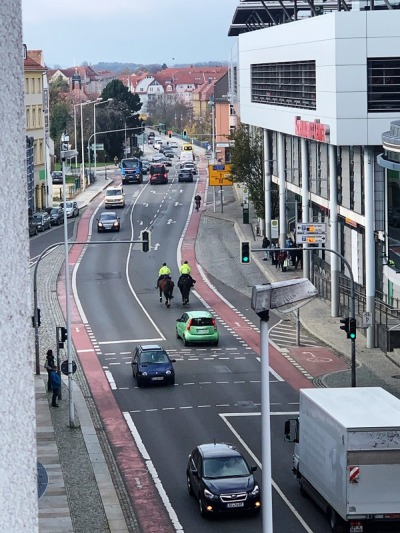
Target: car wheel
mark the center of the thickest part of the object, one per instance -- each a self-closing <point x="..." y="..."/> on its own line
<point x="185" y="342"/>
<point x="172" y="380"/>
<point x="177" y="335"/>
<point x="139" y="382"/>
<point x="36" y="231"/>
<point x="215" y="343"/>
<point x="189" y="485"/>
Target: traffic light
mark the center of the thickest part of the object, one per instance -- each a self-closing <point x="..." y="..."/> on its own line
<point x="184" y="134"/>
<point x="352" y="334"/>
<point x="245" y="250"/>
<point x="169" y="134"/>
<point x="346" y="325"/>
<point x="64" y="334"/>
<point x="145" y="237"/>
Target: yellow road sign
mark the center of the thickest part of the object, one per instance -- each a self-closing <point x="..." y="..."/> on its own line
<point x="219" y="175"/>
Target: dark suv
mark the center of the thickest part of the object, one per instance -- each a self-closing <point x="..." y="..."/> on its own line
<point x="158" y="173"/>
<point x="151" y="365"/>
<point x="220" y="478"/>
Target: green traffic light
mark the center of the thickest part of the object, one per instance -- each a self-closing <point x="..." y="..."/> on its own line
<point x="352" y="336"/>
<point x="245" y="259"/>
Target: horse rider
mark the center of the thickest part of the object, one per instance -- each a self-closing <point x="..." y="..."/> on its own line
<point x="164" y="272"/>
<point x="185" y="268"/>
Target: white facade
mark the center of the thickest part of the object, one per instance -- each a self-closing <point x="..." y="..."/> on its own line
<point x="340" y="44"/>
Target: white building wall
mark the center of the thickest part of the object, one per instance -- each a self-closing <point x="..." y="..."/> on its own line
<point x="340" y="44"/>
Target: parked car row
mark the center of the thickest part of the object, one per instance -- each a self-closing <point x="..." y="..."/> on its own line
<point x="52" y="216"/>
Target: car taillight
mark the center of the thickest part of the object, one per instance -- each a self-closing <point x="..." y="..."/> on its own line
<point x="214" y="323"/>
<point x="189" y="324"/>
<point x="165" y="176"/>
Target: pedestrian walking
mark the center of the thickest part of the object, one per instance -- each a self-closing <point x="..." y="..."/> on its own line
<point x="266" y="243"/>
<point x="282" y="256"/>
<point x="56" y="386"/>
<point x="48" y="365"/>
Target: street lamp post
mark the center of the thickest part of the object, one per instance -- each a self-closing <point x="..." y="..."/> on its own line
<point x="94" y="128"/>
<point x="284" y="296"/>
<point x="68" y="154"/>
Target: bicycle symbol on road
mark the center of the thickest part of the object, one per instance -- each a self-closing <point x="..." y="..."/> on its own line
<point x="317" y="358"/>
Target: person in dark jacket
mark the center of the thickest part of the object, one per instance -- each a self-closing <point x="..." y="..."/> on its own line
<point x="50" y="362"/>
<point x="55" y="385"/>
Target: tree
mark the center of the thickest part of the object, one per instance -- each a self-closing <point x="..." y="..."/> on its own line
<point x="119" y="92"/>
<point x="60" y="121"/>
<point x="248" y="166"/>
<point x="120" y="113"/>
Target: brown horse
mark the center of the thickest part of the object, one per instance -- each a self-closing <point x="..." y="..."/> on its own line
<point x="166" y="287"/>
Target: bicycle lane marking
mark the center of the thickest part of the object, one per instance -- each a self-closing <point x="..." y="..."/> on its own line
<point x="317" y="360"/>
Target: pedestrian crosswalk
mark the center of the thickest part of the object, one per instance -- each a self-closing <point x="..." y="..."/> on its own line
<point x="284" y="334"/>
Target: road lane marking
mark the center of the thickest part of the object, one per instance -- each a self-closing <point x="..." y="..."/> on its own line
<point x="224" y="417"/>
<point x="153" y="472"/>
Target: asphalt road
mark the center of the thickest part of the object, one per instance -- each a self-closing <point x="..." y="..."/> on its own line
<point x="217" y="393"/>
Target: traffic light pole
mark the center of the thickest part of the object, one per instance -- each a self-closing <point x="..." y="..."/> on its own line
<point x="352" y="299"/>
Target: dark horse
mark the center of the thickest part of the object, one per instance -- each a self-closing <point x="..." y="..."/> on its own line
<point x="185" y="283"/>
<point x="166" y="286"/>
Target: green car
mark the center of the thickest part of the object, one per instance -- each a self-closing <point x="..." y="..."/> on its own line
<point x="197" y="326"/>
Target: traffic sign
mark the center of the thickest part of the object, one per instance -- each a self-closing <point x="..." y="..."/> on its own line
<point x="318" y="227"/>
<point x="64" y="367"/>
<point x="219" y="175"/>
<point x="97" y="147"/>
<point x="310" y="239"/>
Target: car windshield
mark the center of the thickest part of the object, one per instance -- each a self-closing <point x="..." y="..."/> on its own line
<point x="113" y="192"/>
<point x="218" y="467"/>
<point x="108" y="216"/>
<point x="37" y="217"/>
<point x="129" y="163"/>
<point x="154" y="357"/>
<point x="54" y="212"/>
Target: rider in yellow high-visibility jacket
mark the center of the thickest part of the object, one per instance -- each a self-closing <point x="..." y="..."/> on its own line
<point x="164" y="271"/>
<point x="185" y="268"/>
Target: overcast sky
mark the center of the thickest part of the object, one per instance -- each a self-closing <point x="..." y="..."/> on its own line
<point x="135" y="31"/>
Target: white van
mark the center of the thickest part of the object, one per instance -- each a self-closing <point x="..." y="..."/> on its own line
<point x="114" y="197"/>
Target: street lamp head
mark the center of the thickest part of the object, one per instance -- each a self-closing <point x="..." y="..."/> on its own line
<point x="284" y="296"/>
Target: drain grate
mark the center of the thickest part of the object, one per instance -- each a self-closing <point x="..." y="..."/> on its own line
<point x="42" y="479"/>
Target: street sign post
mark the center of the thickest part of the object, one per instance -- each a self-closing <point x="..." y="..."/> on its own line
<point x="310" y="228"/>
<point x="97" y="147"/>
<point x="310" y="239"/>
<point x="310" y="233"/>
<point x="219" y="175"/>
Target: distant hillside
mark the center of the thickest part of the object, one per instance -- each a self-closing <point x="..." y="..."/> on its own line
<point x="133" y="67"/>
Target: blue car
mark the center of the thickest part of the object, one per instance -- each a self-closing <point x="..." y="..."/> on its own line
<point x="151" y="365"/>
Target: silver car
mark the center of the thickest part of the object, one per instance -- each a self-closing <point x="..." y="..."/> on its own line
<point x="71" y="208"/>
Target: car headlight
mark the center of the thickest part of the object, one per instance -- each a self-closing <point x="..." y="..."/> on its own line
<point x="144" y="373"/>
<point x="116" y="224"/>
<point x="168" y="372"/>
<point x="100" y="224"/>
<point x="255" y="491"/>
<point x="210" y="495"/>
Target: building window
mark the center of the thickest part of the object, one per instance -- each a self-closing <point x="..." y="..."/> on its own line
<point x="26" y="85"/>
<point x="28" y="117"/>
<point x="291" y="84"/>
<point x="383" y="84"/>
<point x="32" y="85"/>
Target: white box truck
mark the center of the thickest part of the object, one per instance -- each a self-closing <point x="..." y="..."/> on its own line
<point x="347" y="456"/>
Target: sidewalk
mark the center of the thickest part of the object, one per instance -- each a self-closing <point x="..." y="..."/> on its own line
<point x="374" y="368"/>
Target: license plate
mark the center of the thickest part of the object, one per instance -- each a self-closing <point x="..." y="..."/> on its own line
<point x="202" y="330"/>
<point x="157" y="379"/>
<point x="356" y="529"/>
<point x="237" y="504"/>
